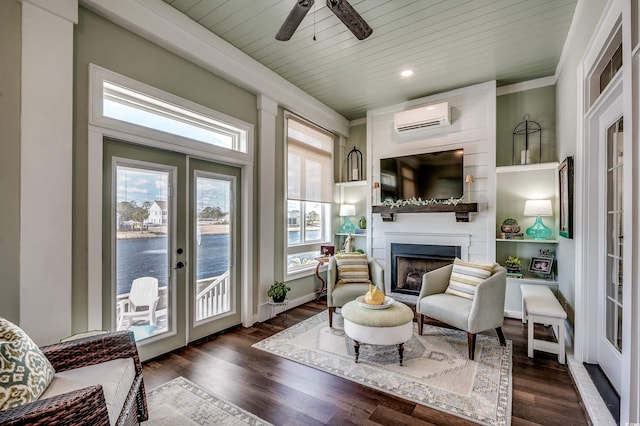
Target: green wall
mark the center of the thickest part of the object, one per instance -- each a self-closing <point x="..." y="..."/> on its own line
<point x="10" y="54"/>
<point x="105" y="44"/>
<point x="540" y="104"/>
<point x="358" y="139"/>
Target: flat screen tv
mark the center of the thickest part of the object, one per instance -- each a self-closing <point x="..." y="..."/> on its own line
<point x="432" y="175"/>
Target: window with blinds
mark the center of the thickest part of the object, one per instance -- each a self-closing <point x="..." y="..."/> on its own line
<point x="309" y="162"/>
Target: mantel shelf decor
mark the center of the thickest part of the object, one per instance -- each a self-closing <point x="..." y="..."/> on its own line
<point x="461" y="210"/>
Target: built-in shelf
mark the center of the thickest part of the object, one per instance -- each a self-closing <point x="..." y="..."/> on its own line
<point x="527" y="241"/>
<point x="461" y="210"/>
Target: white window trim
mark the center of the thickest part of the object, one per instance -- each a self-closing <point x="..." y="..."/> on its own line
<point x="99" y="128"/>
<point x="170" y="141"/>
<point x="304" y="247"/>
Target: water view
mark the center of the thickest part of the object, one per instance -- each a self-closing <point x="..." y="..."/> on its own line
<point x="142" y="257"/>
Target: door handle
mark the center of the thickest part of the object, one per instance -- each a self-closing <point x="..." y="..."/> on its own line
<point x="179" y="265"/>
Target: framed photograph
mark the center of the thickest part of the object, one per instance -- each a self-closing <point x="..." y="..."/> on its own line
<point x="327" y="250"/>
<point x="565" y="178"/>
<point x="541" y="265"/>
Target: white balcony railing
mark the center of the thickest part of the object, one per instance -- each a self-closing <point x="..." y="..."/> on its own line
<point x="215" y="298"/>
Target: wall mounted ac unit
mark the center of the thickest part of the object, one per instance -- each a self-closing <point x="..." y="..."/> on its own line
<point x="429" y="116"/>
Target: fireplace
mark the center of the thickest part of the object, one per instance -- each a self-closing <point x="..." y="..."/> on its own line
<point x="410" y="261"/>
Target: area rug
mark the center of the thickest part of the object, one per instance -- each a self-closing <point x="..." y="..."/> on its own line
<point x="436" y="371"/>
<point x="181" y="402"/>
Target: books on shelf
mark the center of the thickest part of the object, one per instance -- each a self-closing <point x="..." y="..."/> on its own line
<point x="514" y="274"/>
<point x="511" y="235"/>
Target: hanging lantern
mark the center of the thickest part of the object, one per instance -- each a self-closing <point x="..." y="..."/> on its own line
<point x="527" y="142"/>
<point x="354" y="165"/>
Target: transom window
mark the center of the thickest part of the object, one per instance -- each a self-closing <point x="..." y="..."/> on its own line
<point x="309" y="193"/>
<point x="124" y="104"/>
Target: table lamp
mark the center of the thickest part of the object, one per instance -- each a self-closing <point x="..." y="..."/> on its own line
<point x="538" y="208"/>
<point x="347" y="210"/>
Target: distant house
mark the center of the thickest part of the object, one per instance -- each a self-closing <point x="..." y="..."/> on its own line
<point x="157" y="213"/>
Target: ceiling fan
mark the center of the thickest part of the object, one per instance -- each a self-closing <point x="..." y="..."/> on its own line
<point x="341" y="8"/>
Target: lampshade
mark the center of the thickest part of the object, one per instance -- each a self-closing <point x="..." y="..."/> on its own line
<point x="469" y="179"/>
<point x="347" y="210"/>
<point x="538" y="208"/>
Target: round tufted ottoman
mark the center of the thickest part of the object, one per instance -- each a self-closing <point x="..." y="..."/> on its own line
<point x="390" y="326"/>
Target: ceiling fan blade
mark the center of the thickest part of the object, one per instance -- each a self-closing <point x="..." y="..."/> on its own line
<point x="352" y="19"/>
<point x="292" y="22"/>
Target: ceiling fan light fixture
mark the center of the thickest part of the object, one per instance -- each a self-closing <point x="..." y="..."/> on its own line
<point x="350" y="18"/>
<point x="297" y="14"/>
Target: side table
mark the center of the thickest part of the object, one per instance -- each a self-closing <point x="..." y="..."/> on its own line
<point x="273" y="308"/>
<point x="322" y="291"/>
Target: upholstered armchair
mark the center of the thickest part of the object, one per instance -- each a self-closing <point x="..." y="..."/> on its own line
<point x="349" y="276"/>
<point x="467" y="296"/>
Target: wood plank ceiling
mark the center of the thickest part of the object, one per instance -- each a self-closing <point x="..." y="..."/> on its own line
<point x="447" y="43"/>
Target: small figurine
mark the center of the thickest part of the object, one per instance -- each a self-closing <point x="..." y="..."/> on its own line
<point x="349" y="243"/>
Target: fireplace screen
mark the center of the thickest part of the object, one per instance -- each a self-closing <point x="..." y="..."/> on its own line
<point x="409" y="262"/>
<point x="410" y="271"/>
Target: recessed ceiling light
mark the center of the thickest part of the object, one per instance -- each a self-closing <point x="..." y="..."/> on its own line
<point x="406" y="73"/>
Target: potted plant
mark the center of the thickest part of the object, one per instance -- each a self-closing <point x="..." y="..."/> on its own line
<point x="514" y="264"/>
<point x="278" y="291"/>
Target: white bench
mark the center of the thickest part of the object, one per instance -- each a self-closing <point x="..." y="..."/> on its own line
<point x="539" y="305"/>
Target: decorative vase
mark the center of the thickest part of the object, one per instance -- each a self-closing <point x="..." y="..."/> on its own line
<point x="362" y="223"/>
<point x="279" y="299"/>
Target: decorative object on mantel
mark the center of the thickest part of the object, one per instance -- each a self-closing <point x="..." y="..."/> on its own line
<point x="527" y="135"/>
<point x="347" y="210"/>
<point x="354" y="165"/>
<point x="420" y="202"/>
<point x="453" y="205"/>
<point x="538" y="208"/>
<point x="469" y="181"/>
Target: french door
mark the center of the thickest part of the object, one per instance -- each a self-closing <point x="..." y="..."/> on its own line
<point x="610" y="292"/>
<point x="170" y="246"/>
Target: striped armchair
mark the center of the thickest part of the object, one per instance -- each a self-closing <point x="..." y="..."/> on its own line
<point x="351" y="279"/>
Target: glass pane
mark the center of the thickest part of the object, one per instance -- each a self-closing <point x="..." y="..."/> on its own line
<point x="142" y="251"/>
<point x="213" y="247"/>
<point x="293" y="222"/>
<point x="615" y="234"/>
<point x="137" y="108"/>
<point x="314" y="217"/>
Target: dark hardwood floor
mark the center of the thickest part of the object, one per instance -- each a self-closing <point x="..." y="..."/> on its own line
<point x="284" y="392"/>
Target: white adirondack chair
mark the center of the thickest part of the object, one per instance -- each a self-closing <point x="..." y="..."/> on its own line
<point x="141" y="303"/>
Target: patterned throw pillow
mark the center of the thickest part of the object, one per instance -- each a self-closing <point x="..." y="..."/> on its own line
<point x="466" y="276"/>
<point x="352" y="268"/>
<point x="24" y="370"/>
